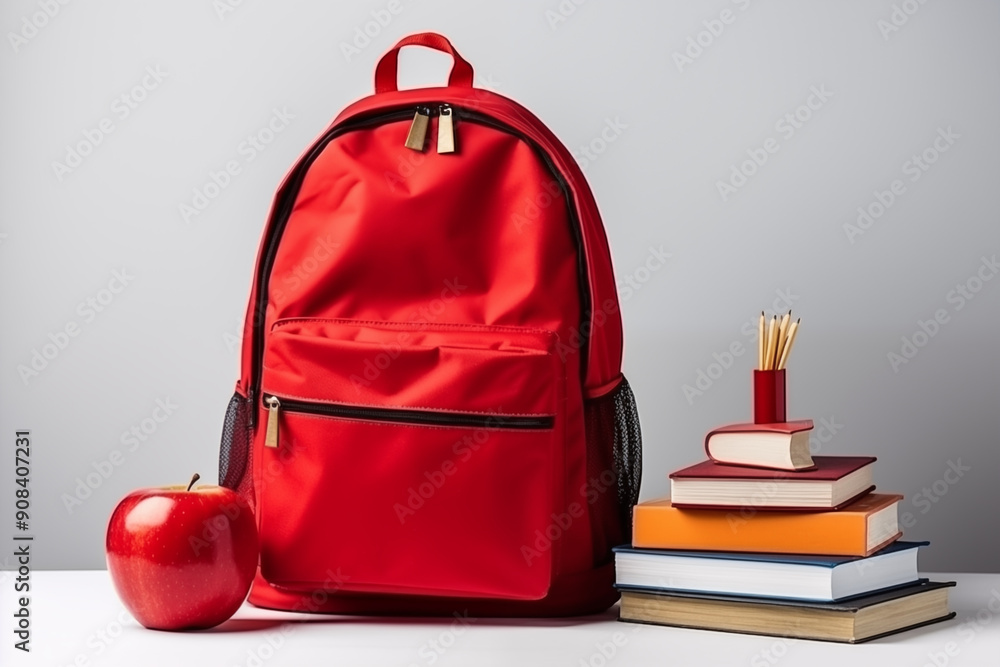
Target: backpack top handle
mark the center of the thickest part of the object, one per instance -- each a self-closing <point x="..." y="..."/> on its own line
<point x="385" y="71"/>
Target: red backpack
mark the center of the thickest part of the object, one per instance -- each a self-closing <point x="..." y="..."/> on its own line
<point x="431" y="416"/>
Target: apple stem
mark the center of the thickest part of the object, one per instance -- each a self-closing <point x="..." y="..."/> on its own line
<point x="194" y="479"/>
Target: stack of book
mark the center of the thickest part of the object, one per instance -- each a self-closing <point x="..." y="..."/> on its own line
<point x="763" y="538"/>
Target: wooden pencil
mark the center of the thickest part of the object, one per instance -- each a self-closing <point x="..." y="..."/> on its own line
<point x="761" y="343"/>
<point x="792" y="330"/>
<point x="782" y="333"/>
<point x="772" y="336"/>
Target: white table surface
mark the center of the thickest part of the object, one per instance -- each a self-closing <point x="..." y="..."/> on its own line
<point x="77" y="619"/>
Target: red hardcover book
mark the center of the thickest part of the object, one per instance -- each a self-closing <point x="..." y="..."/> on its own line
<point x="833" y="483"/>
<point x="782" y="446"/>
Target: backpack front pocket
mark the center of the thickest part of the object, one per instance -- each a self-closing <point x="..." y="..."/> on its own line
<point x="405" y="458"/>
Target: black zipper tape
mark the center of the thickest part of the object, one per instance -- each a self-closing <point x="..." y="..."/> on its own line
<point x="408" y="416"/>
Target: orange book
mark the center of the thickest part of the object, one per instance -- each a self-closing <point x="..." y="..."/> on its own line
<point x="858" y="529"/>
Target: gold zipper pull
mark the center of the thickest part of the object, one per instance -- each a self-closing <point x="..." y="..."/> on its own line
<point x="446" y="130"/>
<point x="271" y="437"/>
<point x="418" y="129"/>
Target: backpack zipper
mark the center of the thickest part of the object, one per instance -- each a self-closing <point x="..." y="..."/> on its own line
<point x="397" y="416"/>
<point x="446" y="129"/>
<point x="284" y="209"/>
<point x="416" y="137"/>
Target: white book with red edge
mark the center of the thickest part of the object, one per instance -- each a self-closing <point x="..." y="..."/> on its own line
<point x="783" y="446"/>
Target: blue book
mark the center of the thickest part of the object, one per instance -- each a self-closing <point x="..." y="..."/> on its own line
<point x="781" y="576"/>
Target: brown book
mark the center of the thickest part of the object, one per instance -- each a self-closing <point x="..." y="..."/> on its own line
<point x="851" y="621"/>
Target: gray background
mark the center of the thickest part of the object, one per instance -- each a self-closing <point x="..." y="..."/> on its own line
<point x="171" y="333"/>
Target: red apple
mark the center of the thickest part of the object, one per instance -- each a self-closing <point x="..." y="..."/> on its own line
<point x="182" y="558"/>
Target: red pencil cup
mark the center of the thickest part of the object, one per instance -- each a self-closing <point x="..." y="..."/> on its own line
<point x="768" y="397"/>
